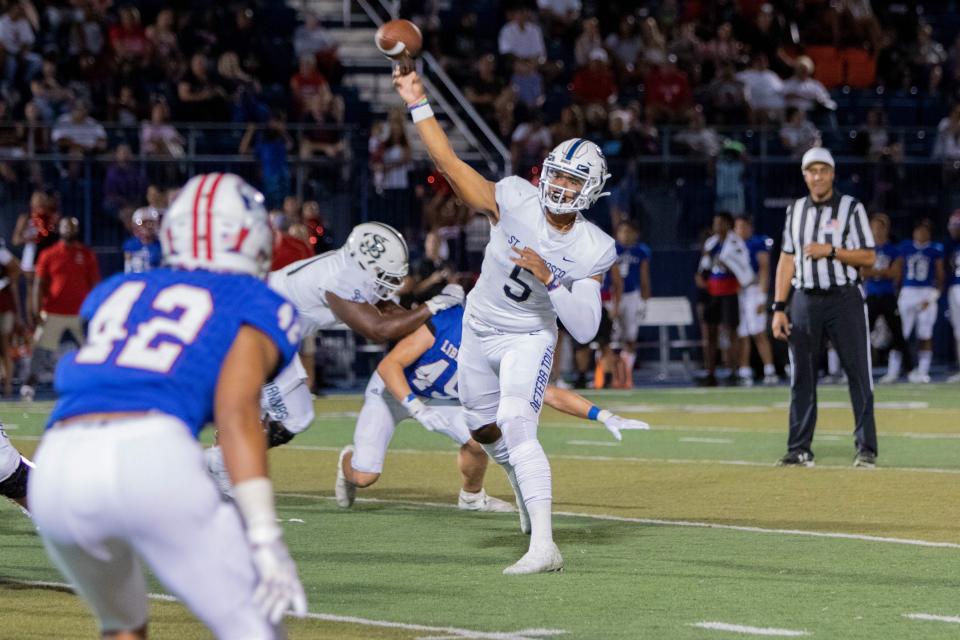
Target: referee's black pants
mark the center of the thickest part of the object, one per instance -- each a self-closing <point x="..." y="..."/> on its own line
<point x="840" y="315"/>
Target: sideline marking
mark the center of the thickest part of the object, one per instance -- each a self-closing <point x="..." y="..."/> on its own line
<point x="932" y="618"/>
<point x="862" y="537"/>
<point x="447" y="632"/>
<point x="753" y="631"/>
<point x="708" y="440"/>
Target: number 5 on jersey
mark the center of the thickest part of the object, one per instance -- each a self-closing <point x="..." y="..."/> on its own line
<point x="108" y="327"/>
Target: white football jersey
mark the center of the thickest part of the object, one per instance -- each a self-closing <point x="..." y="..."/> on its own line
<point x="510" y="299"/>
<point x="306" y="282"/>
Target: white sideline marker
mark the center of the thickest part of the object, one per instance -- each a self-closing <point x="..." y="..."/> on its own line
<point x="932" y="618"/>
<point x="750" y="631"/>
<point x="444" y="632"/>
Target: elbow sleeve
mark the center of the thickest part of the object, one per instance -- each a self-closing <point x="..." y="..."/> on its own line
<point x="579" y="308"/>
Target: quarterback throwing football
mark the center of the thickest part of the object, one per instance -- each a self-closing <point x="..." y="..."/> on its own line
<point x="544" y="261"/>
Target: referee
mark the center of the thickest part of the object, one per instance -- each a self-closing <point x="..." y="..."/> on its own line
<point x="826" y="239"/>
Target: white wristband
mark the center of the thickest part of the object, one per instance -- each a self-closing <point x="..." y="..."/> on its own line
<point x="254" y="499"/>
<point x="604" y="415"/>
<point x="420" y="110"/>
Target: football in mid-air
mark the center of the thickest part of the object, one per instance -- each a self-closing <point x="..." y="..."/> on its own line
<point x="399" y="38"/>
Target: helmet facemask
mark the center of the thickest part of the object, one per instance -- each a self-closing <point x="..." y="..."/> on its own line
<point x="387" y="283"/>
<point x="560" y="199"/>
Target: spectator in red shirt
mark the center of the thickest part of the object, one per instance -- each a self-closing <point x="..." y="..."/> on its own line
<point x="307" y="82"/>
<point x="668" y="92"/>
<point x="595" y="84"/>
<point x="128" y="38"/>
<point x="286" y="248"/>
<point x="65" y="274"/>
<point x="9" y="312"/>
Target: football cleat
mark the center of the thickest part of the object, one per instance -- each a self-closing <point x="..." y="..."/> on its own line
<point x="540" y="560"/>
<point x="27" y="393"/>
<point x="217" y="469"/>
<point x="344" y="491"/>
<point x="480" y="501"/>
<point x="771" y="380"/>
<point x="954" y="378"/>
<point x="796" y="459"/>
<point x="865" y="460"/>
<point x="889" y="378"/>
<point x="918" y="377"/>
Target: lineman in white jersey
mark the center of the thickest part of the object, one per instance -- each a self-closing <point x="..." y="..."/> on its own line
<point x="544" y="260"/>
<point x="14" y="471"/>
<point x="349" y="285"/>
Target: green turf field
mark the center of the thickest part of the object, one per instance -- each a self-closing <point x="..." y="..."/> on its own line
<point x="687" y="524"/>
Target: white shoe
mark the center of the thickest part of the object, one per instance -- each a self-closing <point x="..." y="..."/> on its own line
<point x="542" y="560"/>
<point x="889" y="378"/>
<point x="27" y="393"/>
<point x="213" y="456"/>
<point x="954" y="378"/>
<point x="918" y="377"/>
<point x="746" y="381"/>
<point x="480" y="501"/>
<point x="771" y="380"/>
<point x="345" y="492"/>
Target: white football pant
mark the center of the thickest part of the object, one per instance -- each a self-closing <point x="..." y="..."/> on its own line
<point x="287" y="399"/>
<point x="751" y="322"/>
<point x="378" y="420"/>
<point x="627" y="325"/>
<point x="106" y="494"/>
<point x="909" y="302"/>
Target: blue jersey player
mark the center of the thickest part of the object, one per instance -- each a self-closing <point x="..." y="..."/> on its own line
<point x="922" y="264"/>
<point x="953" y="281"/>
<point x="120" y="474"/>
<point x="753" y="304"/>
<point x="880" y="282"/>
<point x="418" y="379"/>
<point x="633" y="264"/>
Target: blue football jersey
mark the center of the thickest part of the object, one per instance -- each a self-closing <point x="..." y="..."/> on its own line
<point x="434" y="374"/>
<point x="953" y="263"/>
<point x="919" y="263"/>
<point x="757" y="244"/>
<point x="156" y="342"/>
<point x="887" y="254"/>
<point x="629" y="260"/>
<point x="141" y="257"/>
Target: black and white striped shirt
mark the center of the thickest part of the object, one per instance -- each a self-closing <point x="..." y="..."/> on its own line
<point x="840" y="221"/>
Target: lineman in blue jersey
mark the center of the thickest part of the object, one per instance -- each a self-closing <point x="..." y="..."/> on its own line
<point x="753" y="304"/>
<point x="880" y="282"/>
<point x="418" y="379"/>
<point x="633" y="262"/>
<point x="120" y="473"/>
<point x="953" y="281"/>
<point x="922" y="264"/>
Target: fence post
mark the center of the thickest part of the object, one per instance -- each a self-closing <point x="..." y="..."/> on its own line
<point x="87" y="202"/>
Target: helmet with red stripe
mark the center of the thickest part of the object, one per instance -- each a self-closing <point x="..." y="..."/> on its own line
<point x="380" y="250"/>
<point x="218" y="222"/>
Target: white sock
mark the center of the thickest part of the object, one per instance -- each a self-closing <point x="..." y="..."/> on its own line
<point x="498" y="451"/>
<point x="833" y="362"/>
<point x="923" y="361"/>
<point x="769" y="370"/>
<point x="469" y="496"/>
<point x="533" y="477"/>
<point x="745" y="372"/>
<point x="894" y="362"/>
<point x="629" y="359"/>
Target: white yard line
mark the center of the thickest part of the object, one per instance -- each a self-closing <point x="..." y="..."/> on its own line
<point x="708" y="440"/>
<point x="668" y="523"/>
<point x="932" y="618"/>
<point x="445" y="632"/>
<point x="593" y="443"/>
<point x="750" y="631"/>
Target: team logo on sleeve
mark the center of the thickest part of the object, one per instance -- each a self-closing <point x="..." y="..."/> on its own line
<point x="373" y="245"/>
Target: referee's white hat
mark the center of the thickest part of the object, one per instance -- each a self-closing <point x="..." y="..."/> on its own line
<point x="817" y="154"/>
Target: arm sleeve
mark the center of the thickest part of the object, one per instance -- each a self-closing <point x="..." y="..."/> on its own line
<point x="787" y="246"/>
<point x="579" y="308"/>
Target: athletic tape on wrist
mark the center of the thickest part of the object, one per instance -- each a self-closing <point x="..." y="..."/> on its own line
<point x="593" y="413"/>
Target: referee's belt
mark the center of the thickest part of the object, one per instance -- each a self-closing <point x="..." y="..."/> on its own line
<point x="829" y="291"/>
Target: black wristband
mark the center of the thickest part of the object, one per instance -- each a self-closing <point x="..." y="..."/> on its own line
<point x="833" y="253"/>
<point x="780" y="305"/>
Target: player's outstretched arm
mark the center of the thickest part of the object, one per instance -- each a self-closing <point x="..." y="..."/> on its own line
<point x="575" y="405"/>
<point x="476" y="191"/>
<point x="404" y="354"/>
<point x="373" y="324"/>
<point x="251" y="359"/>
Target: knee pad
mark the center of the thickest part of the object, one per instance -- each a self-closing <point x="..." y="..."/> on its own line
<point x="15" y="486"/>
<point x="517" y="431"/>
<point x="277" y="434"/>
<point x="515" y="407"/>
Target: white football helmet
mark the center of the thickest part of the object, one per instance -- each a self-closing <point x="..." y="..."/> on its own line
<point x="218" y="222"/>
<point x="579" y="161"/>
<point x="380" y="250"/>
